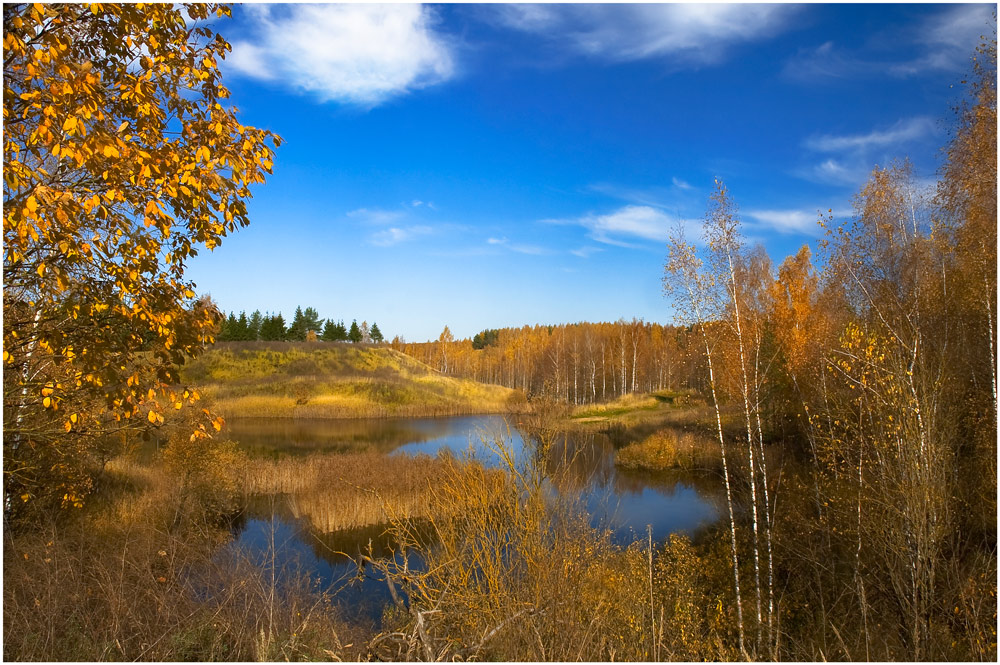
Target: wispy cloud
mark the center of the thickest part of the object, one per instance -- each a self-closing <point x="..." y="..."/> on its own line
<point x="534" y="250"/>
<point x="585" y="252"/>
<point x="850" y="157"/>
<point x="785" y="221"/>
<point x="375" y="215"/>
<point x="903" y="131"/>
<point x="625" y="225"/>
<point x="396" y="235"/>
<point x="948" y="38"/>
<point x="944" y="41"/>
<point x="685" y="33"/>
<point x="357" y="54"/>
<point x="677" y="195"/>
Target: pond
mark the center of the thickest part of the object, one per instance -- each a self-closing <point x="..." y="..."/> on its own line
<point x="625" y="502"/>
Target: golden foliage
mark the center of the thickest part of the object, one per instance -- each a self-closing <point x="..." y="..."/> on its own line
<point x="120" y="161"/>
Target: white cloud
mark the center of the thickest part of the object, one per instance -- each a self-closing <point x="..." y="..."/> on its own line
<point x="517" y="247"/>
<point x="786" y="221"/>
<point x="680" y="184"/>
<point x="850" y="157"/>
<point x="948" y="39"/>
<point x="628" y="223"/>
<point x="396" y="235"/>
<point x="903" y="131"/>
<point x="585" y="252"/>
<point x="358" y="54"/>
<point x="375" y="215"/>
<point x="945" y="41"/>
<point x="694" y="33"/>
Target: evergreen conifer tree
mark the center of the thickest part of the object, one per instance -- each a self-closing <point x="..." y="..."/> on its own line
<point x="297" y="331"/>
<point x="242" y="332"/>
<point x="272" y="328"/>
<point x="329" y="331"/>
<point x="355" y="333"/>
<point x="254" y="325"/>
<point x="376" y="334"/>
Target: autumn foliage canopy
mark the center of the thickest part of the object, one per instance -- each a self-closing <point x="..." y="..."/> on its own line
<point x="121" y="160"/>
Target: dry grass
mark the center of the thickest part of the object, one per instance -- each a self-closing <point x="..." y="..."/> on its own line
<point x="636" y="408"/>
<point x="350" y="490"/>
<point x="669" y="448"/>
<point x="514" y="571"/>
<point x="125" y="580"/>
<point x="325" y="380"/>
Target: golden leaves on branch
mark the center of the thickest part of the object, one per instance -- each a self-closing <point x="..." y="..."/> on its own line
<point x="116" y="169"/>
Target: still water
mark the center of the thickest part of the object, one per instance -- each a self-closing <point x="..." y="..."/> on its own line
<point x="625" y="502"/>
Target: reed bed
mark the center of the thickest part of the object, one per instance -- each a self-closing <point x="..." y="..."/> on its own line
<point x="669" y="448"/>
<point x="347" y="490"/>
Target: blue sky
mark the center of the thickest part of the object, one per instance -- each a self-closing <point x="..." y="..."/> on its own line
<point x="499" y="165"/>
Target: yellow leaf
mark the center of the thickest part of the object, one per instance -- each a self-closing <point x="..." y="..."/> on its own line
<point x="41" y="269"/>
<point x="110" y="151"/>
<point x="32" y="204"/>
<point x="68" y="426"/>
<point x="70" y="124"/>
<point x="47" y="402"/>
<point x="151" y="416"/>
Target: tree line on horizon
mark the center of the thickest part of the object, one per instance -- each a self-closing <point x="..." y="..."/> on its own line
<point x="306" y="326"/>
<point x="580" y="363"/>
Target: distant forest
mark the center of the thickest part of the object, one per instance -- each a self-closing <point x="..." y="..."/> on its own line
<point x="578" y="362"/>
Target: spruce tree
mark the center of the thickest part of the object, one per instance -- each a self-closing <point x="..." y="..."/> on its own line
<point x="228" y="329"/>
<point x="254" y="325"/>
<point x="272" y="328"/>
<point x="376" y="334"/>
<point x="242" y="332"/>
<point x="355" y="334"/>
<point x="297" y="331"/>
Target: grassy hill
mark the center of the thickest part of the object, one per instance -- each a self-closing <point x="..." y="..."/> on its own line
<point x="328" y="380"/>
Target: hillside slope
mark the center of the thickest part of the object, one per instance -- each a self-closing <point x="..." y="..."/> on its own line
<point x="330" y="380"/>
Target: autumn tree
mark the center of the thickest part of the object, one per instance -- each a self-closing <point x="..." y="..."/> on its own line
<point x="693" y="292"/>
<point x="121" y="160"/>
<point x="444" y="339"/>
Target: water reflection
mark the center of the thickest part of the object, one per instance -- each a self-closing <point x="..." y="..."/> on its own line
<point x="625" y="502"/>
<point x="680" y="501"/>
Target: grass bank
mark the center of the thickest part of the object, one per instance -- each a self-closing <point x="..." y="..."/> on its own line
<point x="330" y="380"/>
<point x="636" y="408"/>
